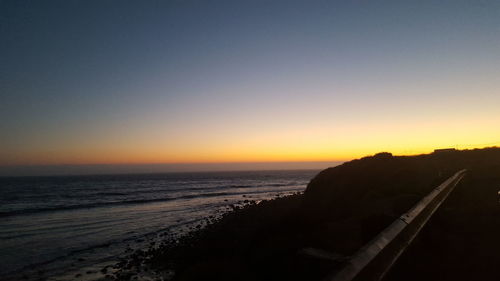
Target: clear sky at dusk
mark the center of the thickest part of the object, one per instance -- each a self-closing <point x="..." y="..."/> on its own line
<point x="129" y="82"/>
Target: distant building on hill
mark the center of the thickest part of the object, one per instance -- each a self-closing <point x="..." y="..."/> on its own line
<point x="444" y="150"/>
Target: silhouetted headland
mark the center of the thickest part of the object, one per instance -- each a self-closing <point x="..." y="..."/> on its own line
<point x="342" y="209"/>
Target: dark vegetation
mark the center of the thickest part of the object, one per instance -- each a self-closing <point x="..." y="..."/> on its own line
<point x="341" y="210"/>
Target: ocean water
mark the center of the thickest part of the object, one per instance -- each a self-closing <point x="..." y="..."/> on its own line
<point x="58" y="227"/>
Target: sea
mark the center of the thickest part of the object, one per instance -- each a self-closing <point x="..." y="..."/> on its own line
<point x="62" y="227"/>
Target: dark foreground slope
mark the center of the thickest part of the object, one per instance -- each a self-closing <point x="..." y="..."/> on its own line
<point x="461" y="241"/>
<point x="341" y="210"/>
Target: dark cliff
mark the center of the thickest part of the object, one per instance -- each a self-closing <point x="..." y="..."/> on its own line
<point x="341" y="210"/>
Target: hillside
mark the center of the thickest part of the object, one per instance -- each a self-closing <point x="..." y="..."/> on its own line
<point x="342" y="209"/>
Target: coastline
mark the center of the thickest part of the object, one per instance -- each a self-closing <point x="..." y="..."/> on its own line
<point x="59" y="240"/>
<point x="271" y="240"/>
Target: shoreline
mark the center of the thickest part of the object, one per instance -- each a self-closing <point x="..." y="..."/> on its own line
<point x="85" y="265"/>
<point x="341" y="209"/>
<point x="142" y="262"/>
<point x="270" y="240"/>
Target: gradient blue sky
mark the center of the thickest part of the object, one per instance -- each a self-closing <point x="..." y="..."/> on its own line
<point x="114" y="82"/>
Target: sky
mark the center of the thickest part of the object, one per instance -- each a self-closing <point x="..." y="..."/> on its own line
<point x="181" y="82"/>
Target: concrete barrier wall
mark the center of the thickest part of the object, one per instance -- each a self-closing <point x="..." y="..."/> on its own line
<point x="374" y="259"/>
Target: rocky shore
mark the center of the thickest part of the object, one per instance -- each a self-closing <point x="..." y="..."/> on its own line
<point x="305" y="236"/>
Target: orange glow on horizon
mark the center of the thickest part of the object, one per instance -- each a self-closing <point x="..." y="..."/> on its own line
<point x="304" y="142"/>
<point x="118" y="158"/>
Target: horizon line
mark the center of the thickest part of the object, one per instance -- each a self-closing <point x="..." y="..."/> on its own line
<point x="26" y="170"/>
<point x="154" y="168"/>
